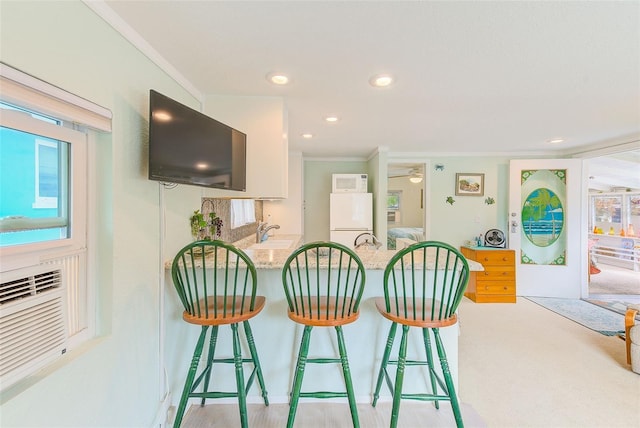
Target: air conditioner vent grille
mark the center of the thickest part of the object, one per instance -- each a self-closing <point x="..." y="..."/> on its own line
<point x="31" y="285"/>
<point x="33" y="321"/>
<point x="27" y="335"/>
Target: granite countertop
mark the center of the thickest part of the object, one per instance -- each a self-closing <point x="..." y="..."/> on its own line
<point x="269" y="258"/>
<point x="275" y="258"/>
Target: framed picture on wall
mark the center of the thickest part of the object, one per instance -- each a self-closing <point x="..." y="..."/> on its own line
<point x="469" y="184"/>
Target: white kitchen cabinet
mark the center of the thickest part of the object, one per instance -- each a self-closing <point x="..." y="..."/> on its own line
<point x="264" y="120"/>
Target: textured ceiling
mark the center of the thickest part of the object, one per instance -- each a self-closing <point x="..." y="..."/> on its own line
<point x="472" y="77"/>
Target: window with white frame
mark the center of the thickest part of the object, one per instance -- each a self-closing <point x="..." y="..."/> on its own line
<point x="44" y="188"/>
<point x="36" y="165"/>
<point x="49" y="161"/>
<point x="393" y="206"/>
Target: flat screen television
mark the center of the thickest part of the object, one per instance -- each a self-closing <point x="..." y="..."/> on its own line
<point x="188" y="147"/>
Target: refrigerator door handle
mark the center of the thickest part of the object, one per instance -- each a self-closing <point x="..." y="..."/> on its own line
<point x="350" y="228"/>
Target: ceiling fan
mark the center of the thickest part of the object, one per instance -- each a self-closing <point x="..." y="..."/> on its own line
<point x="414" y="174"/>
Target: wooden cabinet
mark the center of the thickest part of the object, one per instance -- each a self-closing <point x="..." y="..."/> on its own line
<point x="497" y="283"/>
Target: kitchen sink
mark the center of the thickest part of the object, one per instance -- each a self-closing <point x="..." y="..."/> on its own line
<point x="272" y="244"/>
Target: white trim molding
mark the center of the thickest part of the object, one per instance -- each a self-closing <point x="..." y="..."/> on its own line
<point x="19" y="88"/>
<point x="105" y="12"/>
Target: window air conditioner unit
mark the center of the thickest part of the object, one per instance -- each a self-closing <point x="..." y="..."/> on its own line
<point x="33" y="330"/>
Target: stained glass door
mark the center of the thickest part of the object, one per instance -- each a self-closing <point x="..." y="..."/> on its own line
<point x="546" y="203"/>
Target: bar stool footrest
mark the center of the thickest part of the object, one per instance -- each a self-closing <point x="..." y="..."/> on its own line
<point x="425" y="397"/>
<point x="323" y="394"/>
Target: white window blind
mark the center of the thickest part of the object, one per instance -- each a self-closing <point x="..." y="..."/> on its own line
<point x="31" y="93"/>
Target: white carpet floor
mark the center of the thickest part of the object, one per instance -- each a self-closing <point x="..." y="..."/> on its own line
<point x="524" y="366"/>
<point x="521" y="365"/>
<point x="613" y="280"/>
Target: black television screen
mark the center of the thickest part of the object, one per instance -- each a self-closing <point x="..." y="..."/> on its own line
<point x="188" y="147"/>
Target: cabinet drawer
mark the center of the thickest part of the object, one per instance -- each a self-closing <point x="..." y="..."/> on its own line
<point x="497" y="282"/>
<point x="495" y="288"/>
<point x="488" y="258"/>
<point x="493" y="273"/>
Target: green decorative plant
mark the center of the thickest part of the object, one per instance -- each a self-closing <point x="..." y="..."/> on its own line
<point x="209" y="228"/>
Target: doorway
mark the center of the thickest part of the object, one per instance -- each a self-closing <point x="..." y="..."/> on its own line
<point x="406" y="204"/>
<point x="614" y="226"/>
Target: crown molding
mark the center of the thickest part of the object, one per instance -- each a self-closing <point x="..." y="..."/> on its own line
<point x="114" y="20"/>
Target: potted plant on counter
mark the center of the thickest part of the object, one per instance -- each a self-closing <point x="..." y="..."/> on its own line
<point x="205" y="228"/>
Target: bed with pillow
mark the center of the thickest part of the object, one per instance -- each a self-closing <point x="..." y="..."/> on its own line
<point x="413" y="233"/>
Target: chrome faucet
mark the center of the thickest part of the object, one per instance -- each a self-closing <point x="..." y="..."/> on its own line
<point x="374" y="244"/>
<point x="262" y="231"/>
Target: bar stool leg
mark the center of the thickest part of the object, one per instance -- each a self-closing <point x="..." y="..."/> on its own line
<point x="432" y="375"/>
<point x="188" y="384"/>
<point x="347" y="377"/>
<point x="397" y="393"/>
<point x="237" y="360"/>
<point x="297" y="379"/>
<point x="384" y="362"/>
<point x="447" y="379"/>
<point x="256" y="360"/>
<point x="210" y="354"/>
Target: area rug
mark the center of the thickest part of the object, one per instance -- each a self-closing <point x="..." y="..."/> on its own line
<point x="617" y="306"/>
<point x="587" y="314"/>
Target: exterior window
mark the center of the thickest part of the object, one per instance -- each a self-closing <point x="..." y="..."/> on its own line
<point x="47" y="174"/>
<point x="393" y="200"/>
<point x="43" y="184"/>
<point x="393" y="206"/>
<point x="34" y="201"/>
<point x="45" y="136"/>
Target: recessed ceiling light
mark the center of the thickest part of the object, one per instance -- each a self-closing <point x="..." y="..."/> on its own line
<point x="278" y="78"/>
<point x="381" y="80"/>
<point x="307" y="135"/>
<point x="556" y="141"/>
<point x="331" y="119"/>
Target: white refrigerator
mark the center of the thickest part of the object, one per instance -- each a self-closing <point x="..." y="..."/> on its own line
<point x="350" y="214"/>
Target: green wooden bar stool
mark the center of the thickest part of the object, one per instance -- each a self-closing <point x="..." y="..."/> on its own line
<point x="217" y="284"/>
<point x="423" y="286"/>
<point x="323" y="283"/>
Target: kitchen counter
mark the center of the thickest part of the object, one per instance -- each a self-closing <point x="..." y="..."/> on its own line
<point x="278" y="338"/>
<point x="275" y="258"/>
<point x="268" y="258"/>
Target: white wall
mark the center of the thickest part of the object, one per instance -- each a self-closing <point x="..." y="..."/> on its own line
<point x="378" y="186"/>
<point x="411" y="213"/>
<point x="288" y="213"/>
<point x="469" y="216"/>
<point x="114" y="381"/>
<point x="263" y="120"/>
<point x="317" y="187"/>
